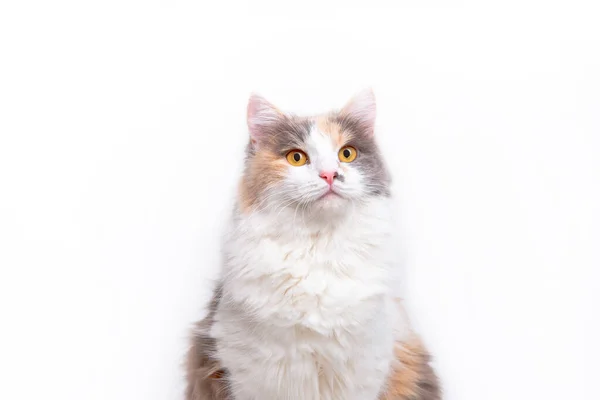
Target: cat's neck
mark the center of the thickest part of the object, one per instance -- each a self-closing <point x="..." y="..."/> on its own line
<point x="373" y="214"/>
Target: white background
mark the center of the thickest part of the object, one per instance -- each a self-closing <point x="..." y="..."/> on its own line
<point x="122" y="130"/>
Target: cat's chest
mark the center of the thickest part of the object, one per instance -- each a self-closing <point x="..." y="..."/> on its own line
<point x="316" y="281"/>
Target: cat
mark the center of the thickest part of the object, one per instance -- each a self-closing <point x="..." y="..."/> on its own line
<point x="304" y="307"/>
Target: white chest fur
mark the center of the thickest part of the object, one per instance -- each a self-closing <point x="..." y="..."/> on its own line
<point x="308" y="315"/>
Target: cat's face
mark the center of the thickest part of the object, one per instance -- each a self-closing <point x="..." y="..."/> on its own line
<point x="312" y="164"/>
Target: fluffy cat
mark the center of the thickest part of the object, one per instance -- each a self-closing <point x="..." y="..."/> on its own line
<point x="304" y="307"/>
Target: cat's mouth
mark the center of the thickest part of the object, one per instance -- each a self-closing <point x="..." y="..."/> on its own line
<point x="330" y="194"/>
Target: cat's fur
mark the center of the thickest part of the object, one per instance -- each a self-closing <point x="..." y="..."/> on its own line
<point x="304" y="308"/>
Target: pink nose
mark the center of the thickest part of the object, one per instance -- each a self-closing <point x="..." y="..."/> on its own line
<point x="329" y="176"/>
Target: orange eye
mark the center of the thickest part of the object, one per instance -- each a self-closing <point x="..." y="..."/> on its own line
<point x="347" y="154"/>
<point x="297" y="158"/>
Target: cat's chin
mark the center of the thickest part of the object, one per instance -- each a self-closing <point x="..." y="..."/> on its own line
<point x="329" y="196"/>
<point x="329" y="202"/>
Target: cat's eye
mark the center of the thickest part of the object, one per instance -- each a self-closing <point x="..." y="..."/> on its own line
<point x="297" y="158"/>
<point x="347" y="154"/>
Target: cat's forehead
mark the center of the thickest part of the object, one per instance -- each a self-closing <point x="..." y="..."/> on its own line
<point x="326" y="137"/>
<point x="330" y="129"/>
<point x="318" y="132"/>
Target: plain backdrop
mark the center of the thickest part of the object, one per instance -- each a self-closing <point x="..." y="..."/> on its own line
<point x="122" y="128"/>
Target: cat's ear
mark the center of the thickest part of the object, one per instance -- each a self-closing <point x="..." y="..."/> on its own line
<point x="361" y="108"/>
<point x="261" y="115"/>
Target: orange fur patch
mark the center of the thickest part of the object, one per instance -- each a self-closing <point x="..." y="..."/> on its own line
<point x="264" y="170"/>
<point x="412" y="378"/>
<point x="334" y="130"/>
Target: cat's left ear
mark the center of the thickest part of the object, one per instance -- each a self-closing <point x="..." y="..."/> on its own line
<point x="361" y="108"/>
<point x="261" y="115"/>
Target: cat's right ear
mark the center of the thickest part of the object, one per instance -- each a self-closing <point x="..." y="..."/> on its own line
<point x="261" y="115"/>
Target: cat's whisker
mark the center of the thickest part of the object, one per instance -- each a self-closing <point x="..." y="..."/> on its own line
<point x="295" y="211"/>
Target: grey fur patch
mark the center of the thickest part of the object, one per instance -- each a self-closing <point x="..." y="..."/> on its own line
<point x="288" y="133"/>
<point x="369" y="159"/>
<point x="206" y="378"/>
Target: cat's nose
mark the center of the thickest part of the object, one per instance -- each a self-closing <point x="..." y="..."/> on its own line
<point x="329" y="176"/>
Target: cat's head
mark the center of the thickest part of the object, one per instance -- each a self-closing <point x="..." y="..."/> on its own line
<point x="312" y="164"/>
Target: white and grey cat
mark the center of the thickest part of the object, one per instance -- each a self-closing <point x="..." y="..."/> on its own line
<point x="304" y="308"/>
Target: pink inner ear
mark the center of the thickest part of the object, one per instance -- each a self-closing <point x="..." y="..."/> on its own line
<point x="260" y="114"/>
<point x="362" y="107"/>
